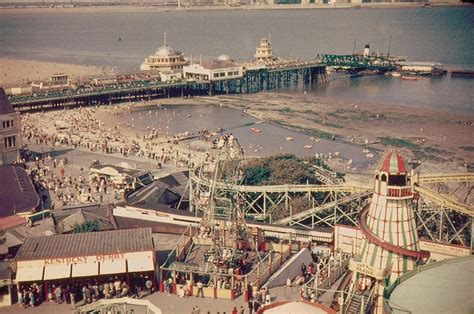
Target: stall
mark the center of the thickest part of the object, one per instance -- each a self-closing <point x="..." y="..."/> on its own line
<point x="86" y="257"/>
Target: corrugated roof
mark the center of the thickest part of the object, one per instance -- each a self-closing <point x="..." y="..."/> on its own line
<point x="5" y="106"/>
<point x="17" y="191"/>
<point x="85" y="244"/>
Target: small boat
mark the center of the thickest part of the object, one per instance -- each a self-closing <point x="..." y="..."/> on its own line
<point x="462" y="73"/>
<point x="409" y="78"/>
<point x="289" y="138"/>
<point x="308" y="146"/>
<point x="256" y="130"/>
<point x="396" y="74"/>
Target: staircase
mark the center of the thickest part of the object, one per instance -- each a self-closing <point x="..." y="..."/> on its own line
<point x="355" y="303"/>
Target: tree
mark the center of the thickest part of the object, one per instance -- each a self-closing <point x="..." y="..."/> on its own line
<point x="87" y="226"/>
<point x="256" y="175"/>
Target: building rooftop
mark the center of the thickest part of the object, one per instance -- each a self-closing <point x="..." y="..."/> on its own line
<point x="166" y="191"/>
<point x="392" y="162"/>
<point x="445" y="288"/>
<point x="85" y="244"/>
<point x="215" y="64"/>
<point x="81" y="216"/>
<point x="5" y="106"/>
<point x="166" y="51"/>
<point x="17" y="191"/>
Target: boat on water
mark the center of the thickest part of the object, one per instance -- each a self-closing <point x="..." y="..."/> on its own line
<point x="396" y="74"/>
<point x="409" y="78"/>
<point x="308" y="146"/>
<point x="289" y="138"/>
<point x="256" y="130"/>
<point x="462" y="73"/>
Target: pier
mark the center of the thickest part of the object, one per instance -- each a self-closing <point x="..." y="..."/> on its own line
<point x="254" y="79"/>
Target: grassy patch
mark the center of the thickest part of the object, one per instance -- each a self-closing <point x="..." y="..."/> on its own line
<point x="398" y="142"/>
<point x="468" y="148"/>
<point x="310" y="132"/>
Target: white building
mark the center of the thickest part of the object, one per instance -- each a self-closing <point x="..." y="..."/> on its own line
<point x="165" y="59"/>
<point x="222" y="68"/>
<point x="264" y="51"/>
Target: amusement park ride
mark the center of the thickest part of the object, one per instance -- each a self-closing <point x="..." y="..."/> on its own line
<point x="234" y="228"/>
<point x="442" y="203"/>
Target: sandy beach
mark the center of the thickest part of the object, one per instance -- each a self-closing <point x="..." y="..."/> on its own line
<point x="17" y="71"/>
<point x="441" y="140"/>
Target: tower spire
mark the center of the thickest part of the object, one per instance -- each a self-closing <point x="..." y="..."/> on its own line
<point x="165" y="39"/>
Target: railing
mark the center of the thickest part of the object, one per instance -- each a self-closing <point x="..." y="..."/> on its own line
<point x="326" y="283"/>
<point x="399" y="192"/>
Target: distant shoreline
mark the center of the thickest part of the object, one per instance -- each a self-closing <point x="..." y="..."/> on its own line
<point x="98" y="8"/>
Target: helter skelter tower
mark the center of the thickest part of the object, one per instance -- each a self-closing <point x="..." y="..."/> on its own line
<point x="389" y="246"/>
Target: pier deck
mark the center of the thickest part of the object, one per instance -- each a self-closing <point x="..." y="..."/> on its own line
<point x="254" y="80"/>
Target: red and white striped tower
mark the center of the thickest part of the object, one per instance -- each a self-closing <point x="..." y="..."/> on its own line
<point x="389" y="247"/>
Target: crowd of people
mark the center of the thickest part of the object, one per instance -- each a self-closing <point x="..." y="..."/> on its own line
<point x="85" y="291"/>
<point x="49" y="175"/>
<point x="81" y="129"/>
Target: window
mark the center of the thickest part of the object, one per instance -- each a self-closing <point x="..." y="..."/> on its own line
<point x="216" y="74"/>
<point x="10" y="141"/>
<point x="397" y="180"/>
<point x="7" y="124"/>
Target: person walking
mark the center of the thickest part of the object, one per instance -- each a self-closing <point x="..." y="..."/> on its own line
<point x="149" y="286"/>
<point x="200" y="291"/>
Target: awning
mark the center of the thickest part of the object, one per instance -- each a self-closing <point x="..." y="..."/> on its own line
<point x="115" y="266"/>
<point x="34" y="273"/>
<point x="85" y="269"/>
<point x="140" y="264"/>
<point x="58" y="271"/>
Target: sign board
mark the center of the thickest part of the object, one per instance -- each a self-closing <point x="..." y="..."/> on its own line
<point x="368" y="270"/>
<point x="440" y="251"/>
<point x="86" y="259"/>
<point x="347" y="239"/>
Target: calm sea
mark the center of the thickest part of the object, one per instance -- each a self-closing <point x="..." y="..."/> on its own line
<point x="443" y="35"/>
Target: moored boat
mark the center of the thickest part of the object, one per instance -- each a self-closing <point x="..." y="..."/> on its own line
<point x="409" y="78"/>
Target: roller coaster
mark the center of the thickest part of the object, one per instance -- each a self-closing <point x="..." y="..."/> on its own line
<point x="442" y="203"/>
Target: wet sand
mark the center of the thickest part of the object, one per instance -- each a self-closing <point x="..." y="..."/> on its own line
<point x="16" y="71"/>
<point x="440" y="140"/>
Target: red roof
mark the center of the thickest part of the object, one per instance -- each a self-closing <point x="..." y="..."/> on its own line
<point x="11" y="221"/>
<point x="392" y="162"/>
